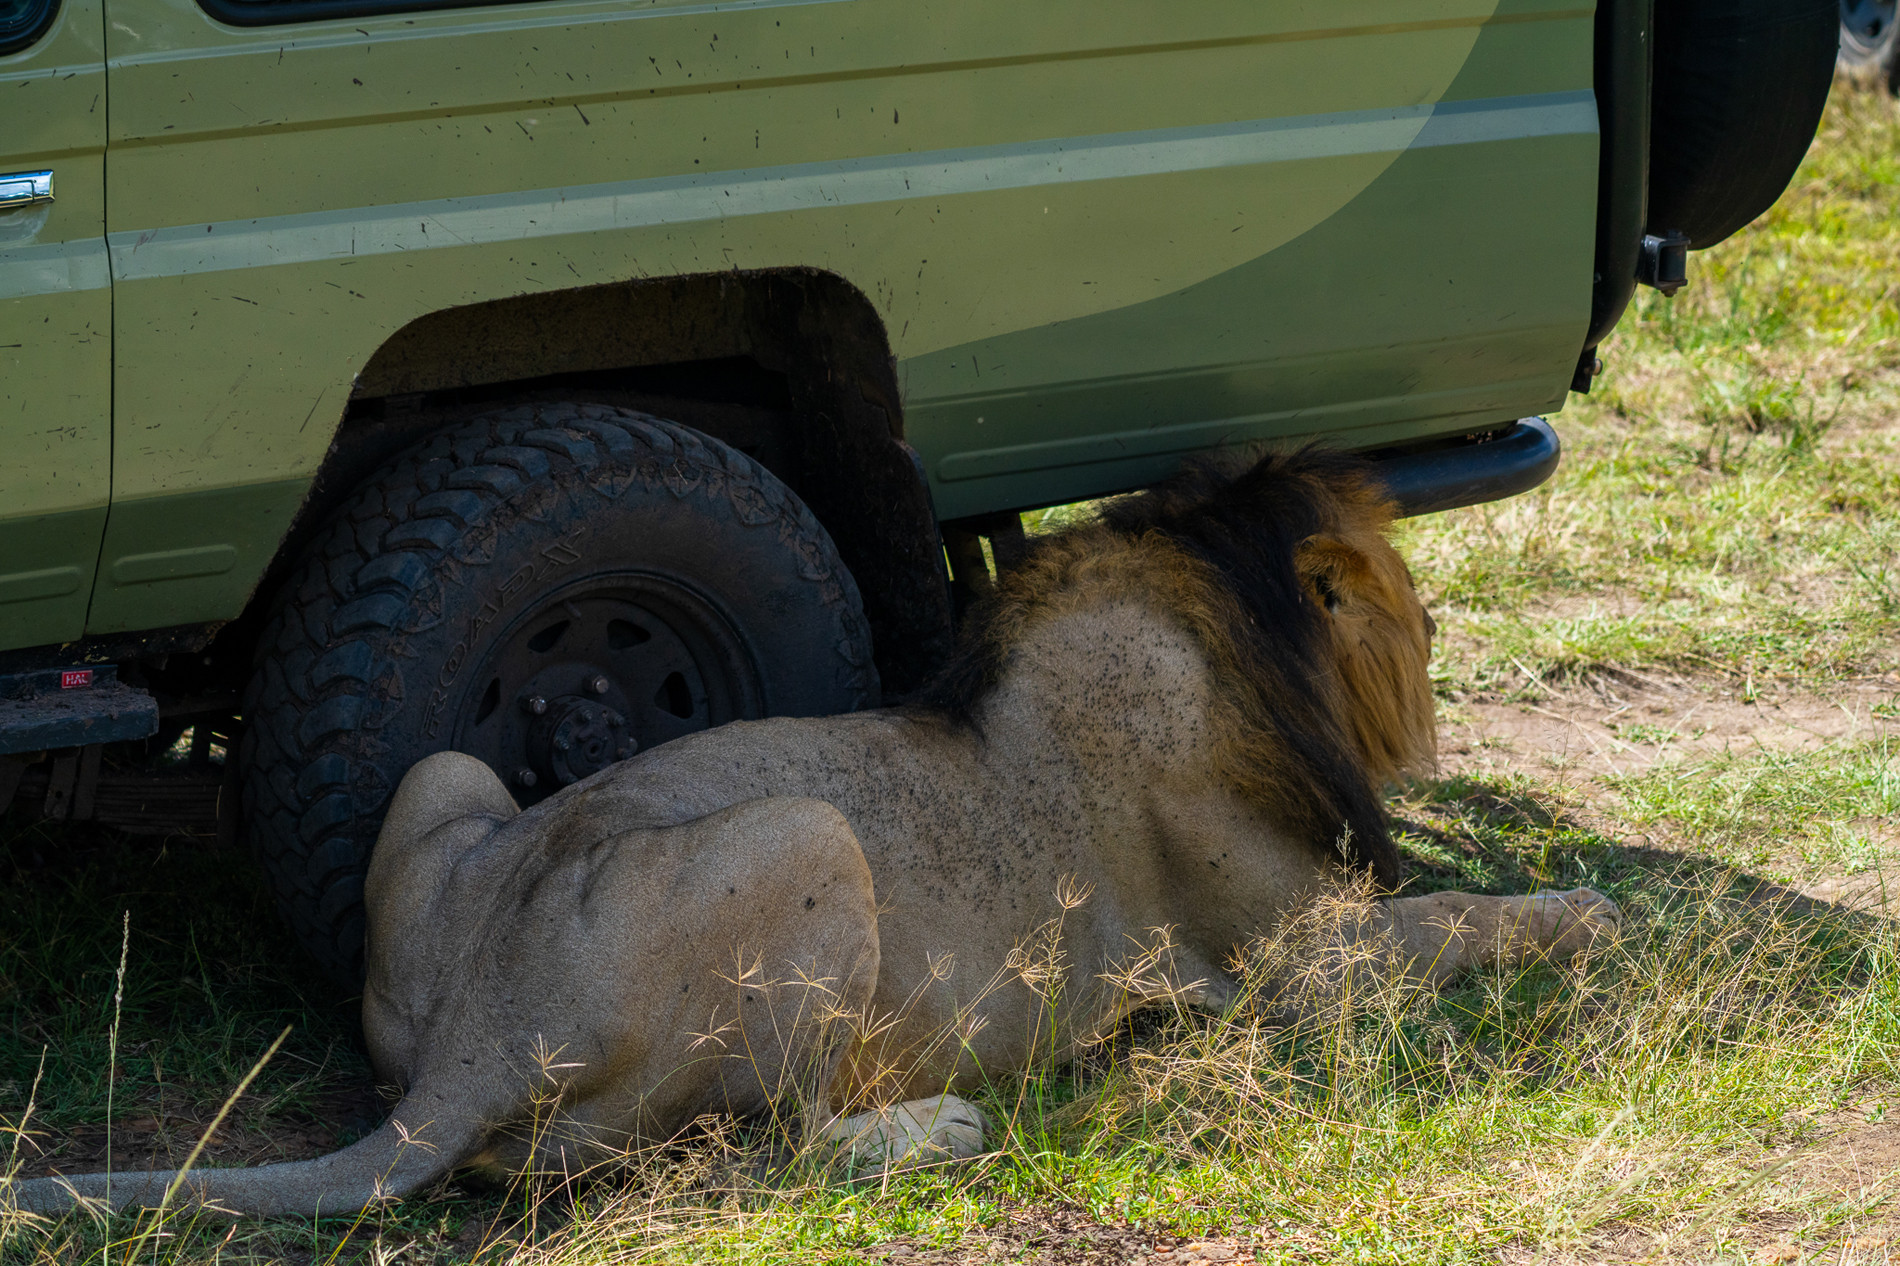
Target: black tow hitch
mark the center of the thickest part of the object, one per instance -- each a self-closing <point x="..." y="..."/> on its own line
<point x="1664" y="261"/>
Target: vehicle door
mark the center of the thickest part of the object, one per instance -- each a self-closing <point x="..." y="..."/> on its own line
<point x="55" y="317"/>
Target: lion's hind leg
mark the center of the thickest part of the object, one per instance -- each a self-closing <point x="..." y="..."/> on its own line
<point x="644" y="979"/>
<point x="446" y="813"/>
<point x="915" y="1132"/>
<point x="785" y="936"/>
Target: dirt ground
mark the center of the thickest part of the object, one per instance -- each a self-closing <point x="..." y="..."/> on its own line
<point x="163" y="1139"/>
<point x="1069" y="1237"/>
<point x="1620" y="723"/>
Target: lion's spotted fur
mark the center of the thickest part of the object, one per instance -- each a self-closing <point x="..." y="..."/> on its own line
<point x="1157" y="734"/>
<point x="1316" y="707"/>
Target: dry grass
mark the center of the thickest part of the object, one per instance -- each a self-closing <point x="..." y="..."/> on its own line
<point x="1351" y="1113"/>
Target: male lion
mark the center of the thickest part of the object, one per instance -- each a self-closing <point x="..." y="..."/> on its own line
<point x="1184" y="711"/>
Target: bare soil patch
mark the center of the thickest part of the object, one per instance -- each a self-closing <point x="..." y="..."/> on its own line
<point x="1620" y="722"/>
<point x="1582" y="735"/>
<point x="1057" y="1235"/>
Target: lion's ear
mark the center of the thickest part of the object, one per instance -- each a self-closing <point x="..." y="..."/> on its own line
<point x="1331" y="570"/>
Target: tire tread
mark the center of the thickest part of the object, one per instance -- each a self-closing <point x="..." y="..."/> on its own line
<point x="314" y="791"/>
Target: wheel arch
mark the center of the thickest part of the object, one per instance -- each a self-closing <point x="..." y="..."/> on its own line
<point x="791" y="366"/>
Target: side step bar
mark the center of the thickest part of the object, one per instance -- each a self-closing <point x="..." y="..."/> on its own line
<point x="71" y="707"/>
<point x="1468" y="471"/>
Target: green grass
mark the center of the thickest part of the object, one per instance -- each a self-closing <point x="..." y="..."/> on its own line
<point x="1729" y="500"/>
<point x="1526" y="1107"/>
<point x="1748" y="806"/>
<point x="210" y="978"/>
<point x="1521" y="1108"/>
<point x="1728" y="510"/>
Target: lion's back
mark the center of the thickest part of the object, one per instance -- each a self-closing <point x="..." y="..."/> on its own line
<point x="857" y="762"/>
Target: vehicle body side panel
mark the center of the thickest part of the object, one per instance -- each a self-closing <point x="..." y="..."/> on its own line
<point x="1450" y="294"/>
<point x="1155" y="218"/>
<point x="55" y="333"/>
<point x="190" y="557"/>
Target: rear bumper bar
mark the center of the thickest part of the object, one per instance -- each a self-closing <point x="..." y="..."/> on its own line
<point x="1467" y="472"/>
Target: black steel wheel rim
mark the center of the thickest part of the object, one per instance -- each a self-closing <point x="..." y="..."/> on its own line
<point x="1866" y="22"/>
<point x="607" y="666"/>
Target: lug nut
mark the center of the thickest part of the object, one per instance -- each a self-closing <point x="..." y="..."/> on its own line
<point x="599" y="685"/>
<point x="623" y="751"/>
<point x="561" y="744"/>
<point x="536" y="705"/>
<point x="526" y="777"/>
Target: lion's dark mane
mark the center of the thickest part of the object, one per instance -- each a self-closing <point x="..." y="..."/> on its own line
<point x="1245" y="527"/>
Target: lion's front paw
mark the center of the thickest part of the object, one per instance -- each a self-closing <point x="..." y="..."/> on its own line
<point x="915" y="1132"/>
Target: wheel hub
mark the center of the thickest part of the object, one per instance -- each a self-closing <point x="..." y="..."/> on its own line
<point x="609" y="666"/>
<point x="575" y="736"/>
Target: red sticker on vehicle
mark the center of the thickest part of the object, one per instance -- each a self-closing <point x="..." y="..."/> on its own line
<point x="74" y="678"/>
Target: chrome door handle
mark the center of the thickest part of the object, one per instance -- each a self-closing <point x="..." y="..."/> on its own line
<point x="25" y="189"/>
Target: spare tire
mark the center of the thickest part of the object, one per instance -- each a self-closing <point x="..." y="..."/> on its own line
<point x="1738" y="91"/>
<point x="1868" y="40"/>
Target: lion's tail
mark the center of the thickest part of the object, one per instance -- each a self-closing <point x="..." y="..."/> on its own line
<point x="407" y="1153"/>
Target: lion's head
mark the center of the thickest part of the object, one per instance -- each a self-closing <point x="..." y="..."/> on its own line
<point x="1381" y="636"/>
<point x="1316" y="637"/>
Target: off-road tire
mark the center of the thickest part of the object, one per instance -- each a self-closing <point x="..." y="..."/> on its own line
<point x="356" y="673"/>
<point x="1738" y="91"/>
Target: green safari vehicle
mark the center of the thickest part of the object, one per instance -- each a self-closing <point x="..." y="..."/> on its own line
<point x="547" y="380"/>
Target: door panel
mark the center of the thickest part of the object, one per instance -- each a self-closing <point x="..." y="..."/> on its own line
<point x="55" y="333"/>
